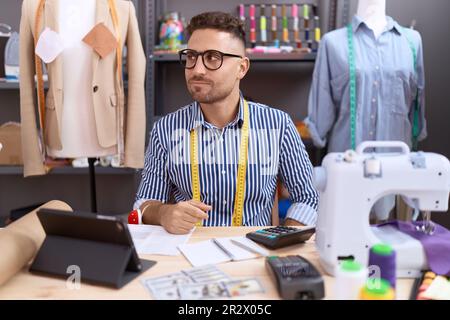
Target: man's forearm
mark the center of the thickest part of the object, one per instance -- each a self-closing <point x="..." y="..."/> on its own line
<point x="152" y="211"/>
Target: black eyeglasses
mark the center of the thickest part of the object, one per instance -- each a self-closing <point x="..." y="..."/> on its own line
<point x="212" y="59"/>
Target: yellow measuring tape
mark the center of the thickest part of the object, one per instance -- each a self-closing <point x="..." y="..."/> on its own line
<point x="40" y="77"/>
<point x="38" y="66"/>
<point x="115" y="19"/>
<point x="242" y="170"/>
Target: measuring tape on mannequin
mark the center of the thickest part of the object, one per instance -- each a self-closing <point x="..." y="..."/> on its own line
<point x="352" y="67"/>
<point x="40" y="79"/>
<point x="242" y="170"/>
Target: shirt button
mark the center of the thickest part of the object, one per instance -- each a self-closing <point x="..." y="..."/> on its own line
<point x="375" y="83"/>
<point x="224" y="201"/>
<point x="371" y="133"/>
<point x="377" y="67"/>
<point x="372" y="116"/>
<point x="374" y="100"/>
<point x="95" y="89"/>
<point x="224" y="225"/>
<point x="221" y="139"/>
<point x="223" y="172"/>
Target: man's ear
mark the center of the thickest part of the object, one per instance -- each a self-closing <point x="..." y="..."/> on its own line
<point x="244" y="66"/>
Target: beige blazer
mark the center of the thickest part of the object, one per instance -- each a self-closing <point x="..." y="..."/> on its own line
<point x="104" y="94"/>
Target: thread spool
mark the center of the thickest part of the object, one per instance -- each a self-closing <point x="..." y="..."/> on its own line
<point x="351" y="276"/>
<point x="242" y="12"/>
<point x="372" y="167"/>
<point x="294" y="11"/>
<point x="383" y="256"/>
<point x="377" y="289"/>
<point x="274" y="22"/>
<point x="263" y="24"/>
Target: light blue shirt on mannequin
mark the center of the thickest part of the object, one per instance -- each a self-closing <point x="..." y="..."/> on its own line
<point x="386" y="85"/>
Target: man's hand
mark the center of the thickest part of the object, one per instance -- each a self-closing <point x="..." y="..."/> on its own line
<point x="180" y="218"/>
<point x="291" y="222"/>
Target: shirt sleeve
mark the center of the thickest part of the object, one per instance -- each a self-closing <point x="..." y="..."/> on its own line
<point x="296" y="174"/>
<point x="420" y="69"/>
<point x="321" y="108"/>
<point x="155" y="182"/>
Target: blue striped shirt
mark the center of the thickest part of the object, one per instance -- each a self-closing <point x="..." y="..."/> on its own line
<point x="275" y="150"/>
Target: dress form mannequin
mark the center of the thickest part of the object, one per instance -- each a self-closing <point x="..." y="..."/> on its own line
<point x="78" y="132"/>
<point x="48" y="118"/>
<point x="389" y="80"/>
<point x="373" y="13"/>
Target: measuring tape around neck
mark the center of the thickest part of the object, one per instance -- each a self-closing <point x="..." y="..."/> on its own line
<point x="352" y="68"/>
<point x="242" y="170"/>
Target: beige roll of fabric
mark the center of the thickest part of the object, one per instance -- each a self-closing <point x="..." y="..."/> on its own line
<point x="21" y="240"/>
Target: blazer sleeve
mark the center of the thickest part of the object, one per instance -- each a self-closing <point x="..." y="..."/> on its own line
<point x="31" y="145"/>
<point x="135" y="117"/>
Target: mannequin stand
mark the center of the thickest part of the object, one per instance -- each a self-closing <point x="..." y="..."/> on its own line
<point x="93" y="190"/>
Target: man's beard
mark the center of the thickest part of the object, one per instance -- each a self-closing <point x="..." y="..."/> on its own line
<point x="212" y="96"/>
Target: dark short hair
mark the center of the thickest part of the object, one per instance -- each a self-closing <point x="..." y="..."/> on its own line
<point x="219" y="21"/>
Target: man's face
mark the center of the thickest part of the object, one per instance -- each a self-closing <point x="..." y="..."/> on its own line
<point x="207" y="86"/>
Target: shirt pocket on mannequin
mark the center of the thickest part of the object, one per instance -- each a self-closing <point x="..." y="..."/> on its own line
<point x="339" y="85"/>
<point x="402" y="96"/>
<point x="403" y="93"/>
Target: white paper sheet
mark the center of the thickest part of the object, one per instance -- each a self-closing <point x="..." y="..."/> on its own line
<point x="215" y="251"/>
<point x="203" y="253"/>
<point x="150" y="239"/>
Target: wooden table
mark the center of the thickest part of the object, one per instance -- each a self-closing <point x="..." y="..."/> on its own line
<point x="27" y="286"/>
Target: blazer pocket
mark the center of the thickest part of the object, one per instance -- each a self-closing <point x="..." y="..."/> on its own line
<point x="113" y="100"/>
<point x="50" y="103"/>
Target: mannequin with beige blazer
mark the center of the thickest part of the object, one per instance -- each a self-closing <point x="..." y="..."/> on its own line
<point x="86" y="113"/>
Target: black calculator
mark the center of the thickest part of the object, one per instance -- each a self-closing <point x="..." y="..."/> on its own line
<point x="279" y="237"/>
<point x="296" y="278"/>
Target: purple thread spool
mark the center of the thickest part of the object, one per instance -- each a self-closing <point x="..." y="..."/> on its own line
<point x="383" y="256"/>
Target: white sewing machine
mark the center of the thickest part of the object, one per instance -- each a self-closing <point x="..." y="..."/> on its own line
<point x="350" y="183"/>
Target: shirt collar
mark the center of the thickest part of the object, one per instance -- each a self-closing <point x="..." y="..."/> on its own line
<point x="391" y="24"/>
<point x="198" y="119"/>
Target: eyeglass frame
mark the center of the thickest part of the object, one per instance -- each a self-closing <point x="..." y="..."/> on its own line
<point x="197" y="54"/>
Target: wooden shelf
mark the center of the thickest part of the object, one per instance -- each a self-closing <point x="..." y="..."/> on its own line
<point x="260" y="57"/>
<point x="5" y="85"/>
<point x="18" y="170"/>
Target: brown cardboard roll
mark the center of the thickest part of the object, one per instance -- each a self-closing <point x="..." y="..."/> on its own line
<point x="21" y="240"/>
